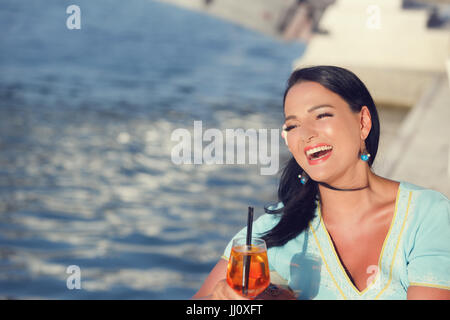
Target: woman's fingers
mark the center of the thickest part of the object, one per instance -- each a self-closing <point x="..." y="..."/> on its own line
<point x="222" y="291"/>
<point x="274" y="292"/>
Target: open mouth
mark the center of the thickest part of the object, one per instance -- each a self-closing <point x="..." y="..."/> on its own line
<point x="318" y="152"/>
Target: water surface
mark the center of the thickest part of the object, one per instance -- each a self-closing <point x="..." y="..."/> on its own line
<point x="86" y="176"/>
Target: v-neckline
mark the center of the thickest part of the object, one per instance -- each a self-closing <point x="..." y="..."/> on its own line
<point x="380" y="257"/>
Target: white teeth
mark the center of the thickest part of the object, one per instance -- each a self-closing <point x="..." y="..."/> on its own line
<point x="323" y="148"/>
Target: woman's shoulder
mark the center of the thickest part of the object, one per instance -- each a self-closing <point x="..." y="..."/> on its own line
<point x="267" y="221"/>
<point x="427" y="206"/>
<point x="424" y="195"/>
<point x="426" y="236"/>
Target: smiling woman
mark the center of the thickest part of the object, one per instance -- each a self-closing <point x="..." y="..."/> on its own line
<point x="329" y="114"/>
<point x="345" y="232"/>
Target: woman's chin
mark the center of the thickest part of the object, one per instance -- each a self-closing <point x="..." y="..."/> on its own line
<point x="319" y="176"/>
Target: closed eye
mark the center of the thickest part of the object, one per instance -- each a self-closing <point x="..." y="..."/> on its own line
<point x="323" y="115"/>
<point x="288" y="128"/>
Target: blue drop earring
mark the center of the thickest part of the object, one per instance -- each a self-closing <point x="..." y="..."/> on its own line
<point x="365" y="156"/>
<point x="303" y="177"/>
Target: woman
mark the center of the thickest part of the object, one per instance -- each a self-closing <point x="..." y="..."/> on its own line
<point x="344" y="232"/>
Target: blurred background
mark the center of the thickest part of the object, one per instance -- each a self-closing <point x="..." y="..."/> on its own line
<point x="86" y="117"/>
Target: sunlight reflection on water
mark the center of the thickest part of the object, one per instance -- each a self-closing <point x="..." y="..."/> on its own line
<point x="86" y="117"/>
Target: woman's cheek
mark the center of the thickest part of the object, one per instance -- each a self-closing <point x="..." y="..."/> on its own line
<point x="327" y="129"/>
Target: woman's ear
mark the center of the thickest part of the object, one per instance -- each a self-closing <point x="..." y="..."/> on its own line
<point x="365" y="122"/>
<point x="284" y="134"/>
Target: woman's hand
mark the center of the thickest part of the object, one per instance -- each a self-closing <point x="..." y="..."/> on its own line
<point x="216" y="287"/>
<point x="276" y="292"/>
<point x="222" y="291"/>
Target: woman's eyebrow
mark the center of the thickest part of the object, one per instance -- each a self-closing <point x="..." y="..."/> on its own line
<point x="310" y="110"/>
<point x="290" y="117"/>
<point x="320" y="106"/>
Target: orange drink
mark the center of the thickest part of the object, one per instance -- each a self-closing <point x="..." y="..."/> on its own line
<point x="248" y="261"/>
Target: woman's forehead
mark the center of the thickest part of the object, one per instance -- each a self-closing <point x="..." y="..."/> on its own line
<point x="305" y="95"/>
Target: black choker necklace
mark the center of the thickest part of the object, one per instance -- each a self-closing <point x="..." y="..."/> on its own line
<point x="326" y="185"/>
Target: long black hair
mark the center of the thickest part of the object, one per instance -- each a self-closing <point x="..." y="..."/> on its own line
<point x="300" y="200"/>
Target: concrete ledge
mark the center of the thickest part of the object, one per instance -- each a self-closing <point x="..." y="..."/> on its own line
<point x="420" y="151"/>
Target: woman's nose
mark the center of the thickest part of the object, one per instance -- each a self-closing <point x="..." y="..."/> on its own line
<point x="306" y="133"/>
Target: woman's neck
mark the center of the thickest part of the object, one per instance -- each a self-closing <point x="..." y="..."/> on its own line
<point x="347" y="205"/>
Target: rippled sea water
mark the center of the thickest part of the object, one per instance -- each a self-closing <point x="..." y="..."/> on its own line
<point x="86" y="117"/>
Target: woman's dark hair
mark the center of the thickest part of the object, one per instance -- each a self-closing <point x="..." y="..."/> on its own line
<point x="300" y="200"/>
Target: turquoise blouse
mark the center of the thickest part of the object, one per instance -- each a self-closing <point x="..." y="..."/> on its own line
<point x="416" y="251"/>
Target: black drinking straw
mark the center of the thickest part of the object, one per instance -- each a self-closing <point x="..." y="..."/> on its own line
<point x="248" y="244"/>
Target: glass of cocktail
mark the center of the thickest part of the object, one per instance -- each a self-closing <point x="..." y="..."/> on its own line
<point x="248" y="267"/>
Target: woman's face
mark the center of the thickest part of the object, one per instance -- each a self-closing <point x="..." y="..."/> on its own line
<point x="323" y="134"/>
